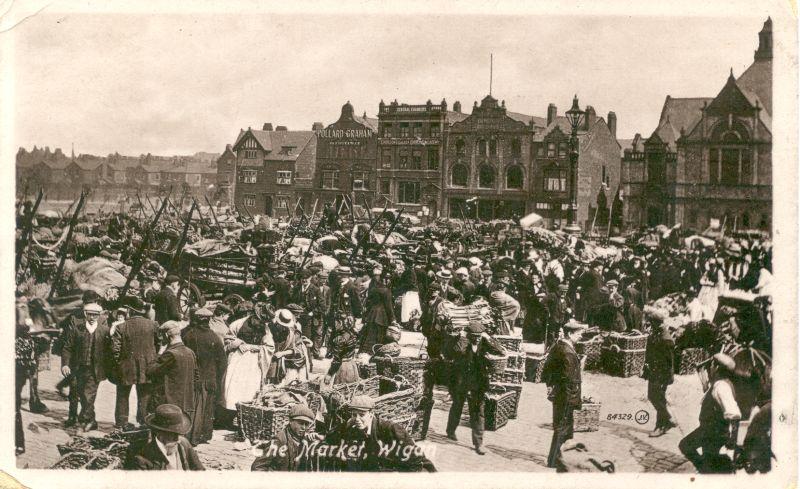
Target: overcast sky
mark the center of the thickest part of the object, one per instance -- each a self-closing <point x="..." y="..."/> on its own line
<point x="176" y="84"/>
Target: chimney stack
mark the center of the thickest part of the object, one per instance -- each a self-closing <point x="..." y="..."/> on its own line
<point x="267" y="126"/>
<point x="317" y="126"/>
<point x="457" y="107"/>
<point x="612" y="123"/>
<point x="590" y="117"/>
<point x="280" y="128"/>
<point x="552" y="112"/>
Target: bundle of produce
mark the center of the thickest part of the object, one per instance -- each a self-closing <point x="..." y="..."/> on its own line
<point x="670" y="305"/>
<point x="98" y="274"/>
<point x="459" y="317"/>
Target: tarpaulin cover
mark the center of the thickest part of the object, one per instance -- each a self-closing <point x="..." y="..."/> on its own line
<point x="98" y="274"/>
<point x="207" y="247"/>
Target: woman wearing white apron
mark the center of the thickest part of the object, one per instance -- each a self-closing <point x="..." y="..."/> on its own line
<point x="251" y="349"/>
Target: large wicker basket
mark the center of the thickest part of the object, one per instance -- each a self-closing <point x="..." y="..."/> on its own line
<point x="367" y="370"/>
<point x="504" y="386"/>
<point x="500" y="406"/>
<point x="410" y="368"/>
<point x="587" y="418"/>
<point x="88" y="461"/>
<point x="689" y="358"/>
<point x="497" y="363"/>
<point x="261" y="423"/>
<point x="510" y="343"/>
<point x="396" y="399"/>
<point x="516" y="360"/>
<point x="534" y="365"/>
<point x="511" y="376"/>
<point x="622" y="363"/>
<point x="591" y="348"/>
<point x="628" y="341"/>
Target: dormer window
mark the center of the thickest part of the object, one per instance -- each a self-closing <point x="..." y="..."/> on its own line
<point x="287" y="150"/>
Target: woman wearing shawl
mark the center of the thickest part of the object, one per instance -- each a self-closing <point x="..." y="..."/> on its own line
<point x="250" y="349"/>
<point x="344" y="348"/>
<point x="290" y="360"/>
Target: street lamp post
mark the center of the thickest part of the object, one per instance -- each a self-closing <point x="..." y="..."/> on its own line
<point x="575" y="117"/>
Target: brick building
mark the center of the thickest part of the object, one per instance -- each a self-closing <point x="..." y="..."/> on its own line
<point x="708" y="158"/>
<point x="410" y="154"/>
<point x="346" y="155"/>
<point x="265" y="168"/>
<point x="598" y="169"/>
<point x="226" y="174"/>
<point x="488" y="158"/>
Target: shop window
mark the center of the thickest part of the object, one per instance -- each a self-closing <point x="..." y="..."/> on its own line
<point x="408" y="192"/>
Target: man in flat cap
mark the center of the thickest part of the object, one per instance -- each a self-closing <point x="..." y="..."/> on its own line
<point x="165" y="302"/>
<point x="562" y="374"/>
<point x="85" y="355"/>
<point x="212" y="362"/>
<point x="288" y="451"/>
<point x="174" y="372"/>
<point x="719" y="420"/>
<point x="659" y="369"/>
<point x="381" y="445"/>
<point x="308" y="295"/>
<point x="471" y="379"/>
<point x="134" y="346"/>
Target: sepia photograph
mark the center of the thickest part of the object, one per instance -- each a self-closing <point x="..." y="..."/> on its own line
<point x="454" y="239"/>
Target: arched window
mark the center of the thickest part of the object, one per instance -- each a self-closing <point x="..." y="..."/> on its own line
<point x="460" y="148"/>
<point x="486" y="176"/>
<point x="729" y="157"/>
<point x="514" y="177"/>
<point x="459" y="176"/>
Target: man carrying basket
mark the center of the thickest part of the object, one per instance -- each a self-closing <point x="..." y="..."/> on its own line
<point x="471" y="379"/>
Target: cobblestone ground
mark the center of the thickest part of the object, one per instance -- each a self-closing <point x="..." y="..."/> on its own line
<point x="521" y="445"/>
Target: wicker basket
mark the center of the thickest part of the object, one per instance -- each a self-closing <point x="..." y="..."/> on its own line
<point x="367" y="370"/>
<point x="591" y="348"/>
<point x="503" y="386"/>
<point x="499" y="408"/>
<point x="308" y="390"/>
<point x="628" y="341"/>
<point x="510" y="376"/>
<point x="497" y="363"/>
<point x="410" y="368"/>
<point x="622" y="363"/>
<point x="88" y="461"/>
<point x="112" y="447"/>
<point x="510" y="343"/>
<point x="587" y="418"/>
<point x="261" y="423"/>
<point x="395" y="399"/>
<point x="689" y="358"/>
<point x="516" y="360"/>
<point x="534" y="364"/>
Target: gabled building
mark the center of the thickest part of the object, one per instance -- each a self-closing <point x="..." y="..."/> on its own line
<point x="345" y="162"/>
<point x="410" y="153"/>
<point x="709" y="159"/>
<point x="226" y="172"/>
<point x="487" y="164"/>
<point x="597" y="179"/>
<point x="265" y="168"/>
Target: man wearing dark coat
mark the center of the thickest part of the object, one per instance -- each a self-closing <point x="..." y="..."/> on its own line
<point x="174" y="372"/>
<point x="281" y="287"/>
<point x="589" y="286"/>
<point x="165" y="302"/>
<point x="345" y="300"/>
<point x="557" y="313"/>
<point x="384" y="446"/>
<point x="470" y="379"/>
<point x="85" y="355"/>
<point x="308" y="295"/>
<point x="211" y="365"/>
<point x="167" y="448"/>
<point x="288" y="451"/>
<point x="562" y="374"/>
<point x="659" y="371"/>
<point x="378" y="316"/>
<point x="133" y="346"/>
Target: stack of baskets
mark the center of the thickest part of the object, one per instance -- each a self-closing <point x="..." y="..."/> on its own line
<point x="689" y="358"/>
<point x="410" y="368"/>
<point x="622" y="354"/>
<point x="587" y="418"/>
<point x="505" y="386"/>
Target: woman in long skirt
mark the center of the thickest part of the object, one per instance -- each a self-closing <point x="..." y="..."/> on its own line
<point x="291" y="360"/>
<point x="344" y="348"/>
<point x="250" y="349"/>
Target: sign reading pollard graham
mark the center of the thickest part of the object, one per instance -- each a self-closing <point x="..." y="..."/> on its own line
<point x="330" y="133"/>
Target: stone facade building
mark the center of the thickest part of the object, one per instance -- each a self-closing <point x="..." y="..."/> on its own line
<point x="709" y="161"/>
<point x="410" y="154"/>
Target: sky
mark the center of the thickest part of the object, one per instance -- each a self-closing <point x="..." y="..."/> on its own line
<point x="177" y="84"/>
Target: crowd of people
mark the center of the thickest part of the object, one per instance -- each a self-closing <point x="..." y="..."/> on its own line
<point x="190" y="368"/>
